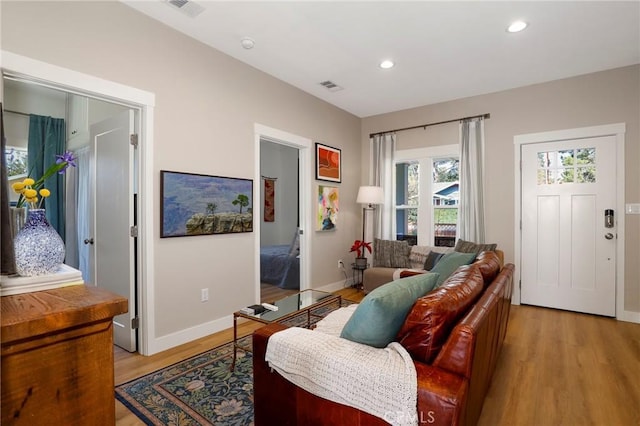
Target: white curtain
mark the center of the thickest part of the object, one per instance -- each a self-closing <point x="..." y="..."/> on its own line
<point x="383" y="149"/>
<point x="83" y="210"/>
<point x="471" y="209"/>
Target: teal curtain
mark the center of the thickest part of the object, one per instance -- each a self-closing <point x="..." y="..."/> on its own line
<point x="46" y="140"/>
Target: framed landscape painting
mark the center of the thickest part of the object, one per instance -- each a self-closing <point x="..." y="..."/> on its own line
<point x="195" y="204"/>
<point x="328" y="163"/>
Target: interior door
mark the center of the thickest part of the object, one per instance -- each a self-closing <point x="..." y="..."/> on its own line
<point x="113" y="217"/>
<point x="568" y="250"/>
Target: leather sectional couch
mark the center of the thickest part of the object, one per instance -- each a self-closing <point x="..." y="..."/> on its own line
<point x="454" y="335"/>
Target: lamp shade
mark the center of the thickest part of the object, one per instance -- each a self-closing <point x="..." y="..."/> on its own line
<point x="370" y="195"/>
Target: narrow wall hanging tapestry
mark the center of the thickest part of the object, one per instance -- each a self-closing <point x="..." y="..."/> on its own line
<point x="269" y="199"/>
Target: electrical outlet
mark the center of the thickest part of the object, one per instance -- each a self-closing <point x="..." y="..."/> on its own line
<point x="204" y="295"/>
<point x="340" y="264"/>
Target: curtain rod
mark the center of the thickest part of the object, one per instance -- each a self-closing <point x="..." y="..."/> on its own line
<point x="484" y="116"/>
<point x="16" y="112"/>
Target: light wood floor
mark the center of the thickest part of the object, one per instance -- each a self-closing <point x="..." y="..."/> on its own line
<point x="556" y="368"/>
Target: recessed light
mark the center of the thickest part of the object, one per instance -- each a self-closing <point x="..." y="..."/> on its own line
<point x="386" y="64"/>
<point x="517" y="26"/>
<point x="247" y="43"/>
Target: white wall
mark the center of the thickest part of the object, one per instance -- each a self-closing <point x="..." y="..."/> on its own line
<point x="279" y="162"/>
<point x="594" y="99"/>
<point x="206" y="106"/>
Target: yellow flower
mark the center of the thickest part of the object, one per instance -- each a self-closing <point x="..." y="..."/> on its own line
<point x="32" y="200"/>
<point x="44" y="192"/>
<point x="30" y="193"/>
<point x="18" y="187"/>
<point x="28" y="182"/>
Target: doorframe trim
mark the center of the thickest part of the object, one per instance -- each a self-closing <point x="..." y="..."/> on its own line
<point x="304" y="175"/>
<point x="29" y="69"/>
<point x="617" y="130"/>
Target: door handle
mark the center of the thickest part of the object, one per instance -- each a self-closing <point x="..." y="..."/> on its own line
<point x="608" y="236"/>
<point x="88" y="240"/>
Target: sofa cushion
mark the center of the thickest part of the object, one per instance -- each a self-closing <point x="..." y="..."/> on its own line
<point x="432" y="258"/>
<point x="450" y="262"/>
<point x="379" y="316"/>
<point x="390" y="253"/>
<point x="418" y="254"/>
<point x="463" y="246"/>
<point x="489" y="264"/>
<point x="432" y="317"/>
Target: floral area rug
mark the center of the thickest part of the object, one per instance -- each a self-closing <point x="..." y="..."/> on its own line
<point x="197" y="391"/>
<point x="200" y="390"/>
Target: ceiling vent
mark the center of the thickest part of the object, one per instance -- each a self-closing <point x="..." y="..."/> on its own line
<point x="330" y="86"/>
<point x="188" y="7"/>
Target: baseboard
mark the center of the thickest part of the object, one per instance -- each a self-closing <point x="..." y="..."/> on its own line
<point x="338" y="285"/>
<point x="630" y="316"/>
<point x="190" y="334"/>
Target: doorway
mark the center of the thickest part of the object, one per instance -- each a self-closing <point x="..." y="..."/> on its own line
<point x="17" y="67"/>
<point x="571" y="220"/>
<point x="279" y="236"/>
<point x="93" y="134"/>
<point x="282" y="207"/>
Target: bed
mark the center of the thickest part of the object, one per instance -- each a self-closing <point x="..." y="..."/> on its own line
<point x="280" y="264"/>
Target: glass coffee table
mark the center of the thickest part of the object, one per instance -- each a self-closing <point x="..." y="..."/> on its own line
<point x="300" y="309"/>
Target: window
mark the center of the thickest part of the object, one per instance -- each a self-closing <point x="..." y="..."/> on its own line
<point x="407" y="200"/>
<point x="446" y="197"/>
<point x="567" y="166"/>
<point x="16" y="162"/>
<point x="427" y="195"/>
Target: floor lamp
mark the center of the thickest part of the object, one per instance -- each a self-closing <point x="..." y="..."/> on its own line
<point x="369" y="196"/>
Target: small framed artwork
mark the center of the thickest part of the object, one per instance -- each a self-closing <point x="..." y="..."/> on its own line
<point x="328" y="163"/>
<point x="195" y="204"/>
<point x="328" y="207"/>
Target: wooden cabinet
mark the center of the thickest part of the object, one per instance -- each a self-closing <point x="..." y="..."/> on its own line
<point x="57" y="356"/>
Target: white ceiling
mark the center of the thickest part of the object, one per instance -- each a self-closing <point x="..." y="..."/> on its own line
<point x="442" y="50"/>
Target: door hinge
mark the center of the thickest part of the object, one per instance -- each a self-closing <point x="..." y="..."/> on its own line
<point x="520" y="284"/>
<point x="135" y="322"/>
<point x="134" y="231"/>
<point x="133" y="139"/>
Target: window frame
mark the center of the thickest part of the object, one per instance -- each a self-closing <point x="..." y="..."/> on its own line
<point x="424" y="157"/>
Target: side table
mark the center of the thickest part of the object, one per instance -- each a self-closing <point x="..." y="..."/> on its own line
<point x="357" y="274"/>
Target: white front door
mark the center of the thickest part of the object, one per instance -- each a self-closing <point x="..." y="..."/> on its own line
<point x="568" y="252"/>
<point x="114" y="247"/>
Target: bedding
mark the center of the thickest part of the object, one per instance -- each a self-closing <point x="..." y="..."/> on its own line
<point x="280" y="267"/>
<point x="280" y="264"/>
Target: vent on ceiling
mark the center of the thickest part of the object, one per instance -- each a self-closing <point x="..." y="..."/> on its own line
<point x="330" y="86"/>
<point x="188" y="7"/>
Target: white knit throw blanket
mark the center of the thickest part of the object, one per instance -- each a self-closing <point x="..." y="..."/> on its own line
<point x="379" y="381"/>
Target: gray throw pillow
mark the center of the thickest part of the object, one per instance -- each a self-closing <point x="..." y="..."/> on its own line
<point x="432" y="259"/>
<point x="391" y="253"/>
<point x="463" y="246"/>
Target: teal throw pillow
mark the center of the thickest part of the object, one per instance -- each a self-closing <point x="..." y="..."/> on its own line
<point x="448" y="264"/>
<point x="379" y="317"/>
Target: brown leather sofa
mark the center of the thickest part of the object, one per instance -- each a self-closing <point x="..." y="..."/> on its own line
<point x="454" y="335"/>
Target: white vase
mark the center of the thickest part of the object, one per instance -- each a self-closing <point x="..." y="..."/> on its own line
<point x="38" y="247"/>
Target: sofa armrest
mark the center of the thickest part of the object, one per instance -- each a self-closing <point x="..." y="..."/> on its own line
<point x="274" y="398"/>
<point x="441" y="396"/>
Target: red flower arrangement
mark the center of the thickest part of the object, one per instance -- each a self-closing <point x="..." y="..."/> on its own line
<point x="359" y="247"/>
